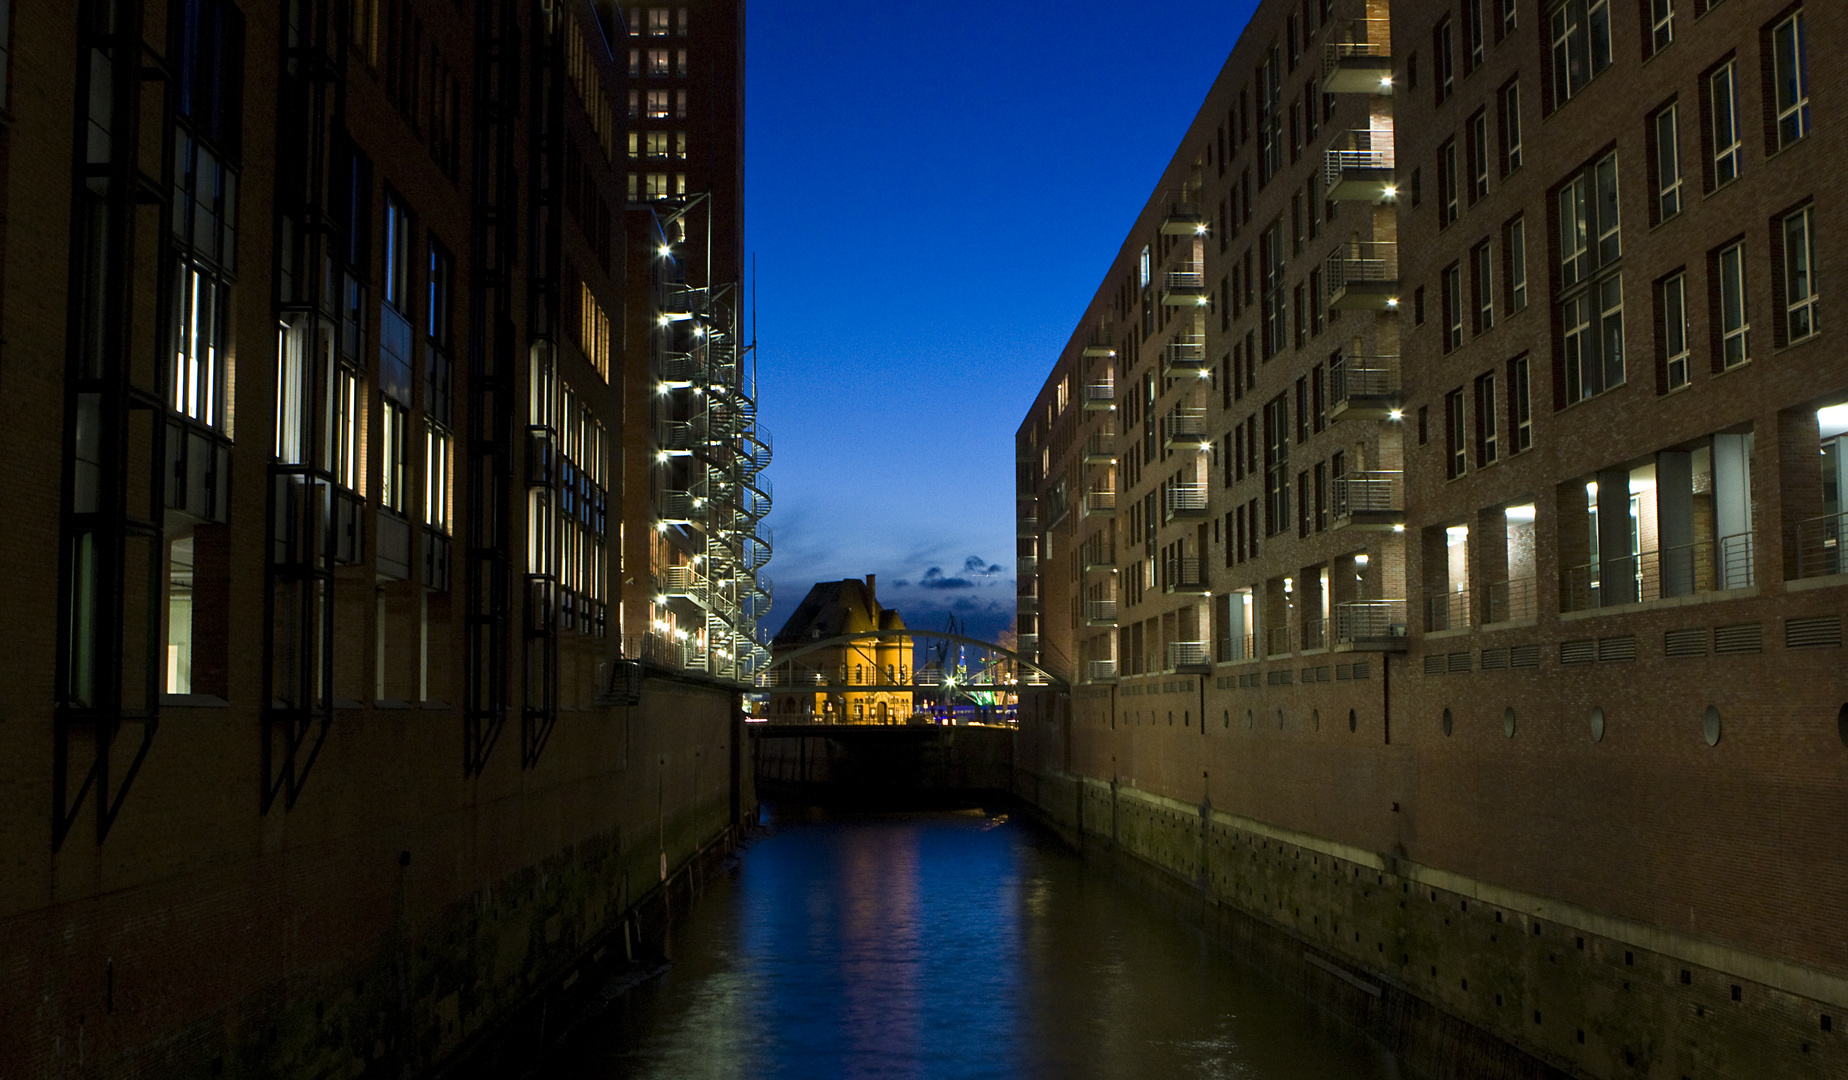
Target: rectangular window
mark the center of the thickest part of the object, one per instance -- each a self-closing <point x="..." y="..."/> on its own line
<point x="1483" y="269"/>
<point x="1668" y="164"/>
<point x="659" y="104"/>
<point x="1514" y="249"/>
<point x="1508" y="23"/>
<point x="1724" y="113"/>
<point x="1457" y="460"/>
<point x="392" y="442"/>
<point x="397" y="256"/>
<point x="1447" y="182"/>
<point x="1276" y="465"/>
<point x="343" y="434"/>
<point x="658" y="63"/>
<point x="1478" y="157"/>
<point x="1453" y="307"/>
<point x="436" y="478"/>
<point x="198" y="355"/>
<point x="1446" y="80"/>
<point x="1790" y="74"/>
<point x="658" y="24"/>
<point x="1581" y="35"/>
<point x="1488" y="444"/>
<point x="1674" y="299"/>
<point x="1511" y="127"/>
<point x="1472" y="33"/>
<point x="594" y="332"/>
<point x="1735" y="327"/>
<point x="1661" y="24"/>
<point x="1800" y="275"/>
<point x="1520" y="405"/>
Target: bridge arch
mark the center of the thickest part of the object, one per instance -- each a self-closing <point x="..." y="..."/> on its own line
<point x="1054" y="681"/>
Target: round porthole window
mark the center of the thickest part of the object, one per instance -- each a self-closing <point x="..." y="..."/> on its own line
<point x="1449" y="722"/>
<point x="1710" y="726"/>
<point x="1508" y="721"/>
<point x="1597" y="725"/>
<point x="1354" y="723"/>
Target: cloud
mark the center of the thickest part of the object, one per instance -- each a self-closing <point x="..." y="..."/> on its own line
<point x="980" y="567"/>
<point x="934" y="579"/>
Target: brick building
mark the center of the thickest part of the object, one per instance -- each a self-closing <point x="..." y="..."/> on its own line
<point x="347" y="361"/>
<point x="1444" y="487"/>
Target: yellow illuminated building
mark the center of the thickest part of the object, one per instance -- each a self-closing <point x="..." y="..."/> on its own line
<point x="853" y="682"/>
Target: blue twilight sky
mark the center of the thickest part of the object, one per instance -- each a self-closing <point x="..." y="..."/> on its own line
<point x="934" y="192"/>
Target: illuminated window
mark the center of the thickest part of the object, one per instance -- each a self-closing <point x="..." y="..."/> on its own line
<point x="659" y="103"/>
<point x="658" y="61"/>
<point x="436" y="478"/>
<point x="392" y="446"/>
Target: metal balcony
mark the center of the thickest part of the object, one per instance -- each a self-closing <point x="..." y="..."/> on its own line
<point x="1027" y="604"/>
<point x="1359" y="67"/>
<point x="687" y="583"/>
<point x="1026" y="565"/>
<point x="1517" y="598"/>
<point x="1185" y="287"/>
<point x="1364" y="388"/>
<point x="1099" y="349"/>
<point x="1189" y="658"/>
<point x="1185" y="502"/>
<point x="1370" y="501"/>
<point x="682" y="507"/>
<point x="1184" y="356"/>
<point x="1028" y="525"/>
<point x="1100" y="612"/>
<point x="1100" y="448"/>
<point x="1185" y="429"/>
<point x="1100" y="504"/>
<point x="1100" y="396"/>
<point x="1102" y="671"/>
<point x="1099" y="561"/>
<point x="1314" y="634"/>
<point x="1186" y="574"/>
<point x="1822" y="546"/>
<point x="1446" y="608"/>
<point x="1183" y="219"/>
<point x="1363" y="276"/>
<point x="1359" y="168"/>
<point x="1371" y="625"/>
<point x="1684" y="570"/>
<point x="679" y="371"/>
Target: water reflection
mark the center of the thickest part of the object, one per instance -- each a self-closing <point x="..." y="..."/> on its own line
<point x="946" y="946"/>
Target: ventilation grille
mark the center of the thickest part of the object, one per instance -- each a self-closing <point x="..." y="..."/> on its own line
<point x="1494" y="659"/>
<point x="1279" y="678"/>
<point x="1822" y="632"/>
<point x="1361" y="671"/>
<point x="1616" y="650"/>
<point x="1343" y="672"/>
<point x="1459" y="663"/>
<point x="1685" y="642"/>
<point x="1577" y="652"/>
<point x="1434" y="663"/>
<point x="1322" y="674"/>
<point x="1739" y="638"/>
<point x="1248" y="680"/>
<point x="1524" y="656"/>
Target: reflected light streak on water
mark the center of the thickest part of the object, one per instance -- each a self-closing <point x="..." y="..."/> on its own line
<point x="945" y="947"/>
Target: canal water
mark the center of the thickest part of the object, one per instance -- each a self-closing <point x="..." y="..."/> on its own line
<point x="944" y="946"/>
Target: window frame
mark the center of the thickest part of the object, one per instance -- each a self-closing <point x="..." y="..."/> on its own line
<point x="1677" y="353"/>
<point x="1790" y="122"/>
<point x="1725" y="161"/>
<point x="1806" y="305"/>
<point x="1664" y="157"/>
<point x="1733" y="300"/>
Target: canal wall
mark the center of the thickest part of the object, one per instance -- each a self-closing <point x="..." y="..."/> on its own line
<point x="1460" y="976"/>
<point x="400" y="920"/>
<point x="901" y="765"/>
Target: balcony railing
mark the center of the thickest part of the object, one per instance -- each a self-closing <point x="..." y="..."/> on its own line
<point x="1103" y="671"/>
<point x="1361" y="66"/>
<point x="1183" y="428"/>
<point x="1100" y="503"/>
<point x="1365" y="621"/>
<point x="1370" y="498"/>
<point x="1188" y="655"/>
<point x="1185" y="500"/>
<point x="1315" y="634"/>
<point x="1685" y="570"/>
<point x="1184" y="354"/>
<point x="1027" y="604"/>
<point x="1363" y="386"/>
<point x="1101" y="612"/>
<point x="1185" y="574"/>
<point x="1362" y="168"/>
<point x="1100" y="395"/>
<point x="1822" y="546"/>
<point x="1363" y="275"/>
<point x="1234" y="647"/>
<point x="1183" y="218"/>
<point x="1026" y="565"/>
<point x="1100" y="448"/>
<point x="1517" y="598"/>
<point x="684" y="581"/>
<point x="1027" y="525"/>
<point x="1446" y="608"/>
<point x="1185" y="287"/>
<point x="1277" y="641"/>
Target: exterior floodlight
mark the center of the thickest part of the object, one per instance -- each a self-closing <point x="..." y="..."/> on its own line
<point x="1396" y="414"/>
<point x="666" y="251"/>
<point x="1361" y="559"/>
<point x="1385" y="81"/>
<point x="1392" y="301"/>
<point x="1391" y="192"/>
<point x="1398" y="528"/>
<point x="1199" y="230"/>
<point x="1203" y="301"/>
